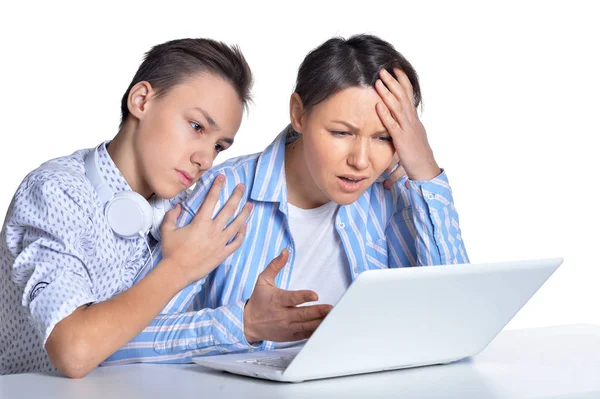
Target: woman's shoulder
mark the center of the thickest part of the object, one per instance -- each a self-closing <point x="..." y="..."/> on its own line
<point x="241" y="169"/>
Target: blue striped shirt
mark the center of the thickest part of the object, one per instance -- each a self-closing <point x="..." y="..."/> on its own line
<point x="405" y="226"/>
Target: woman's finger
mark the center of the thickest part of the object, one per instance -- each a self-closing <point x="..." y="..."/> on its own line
<point x="396" y="89"/>
<point x="391" y="125"/>
<point x="394" y="107"/>
<point x="405" y="82"/>
<point x="391" y="102"/>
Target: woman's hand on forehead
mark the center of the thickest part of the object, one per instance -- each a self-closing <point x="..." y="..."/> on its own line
<point x="398" y="114"/>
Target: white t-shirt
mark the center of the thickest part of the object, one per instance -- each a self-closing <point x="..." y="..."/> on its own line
<point x="321" y="264"/>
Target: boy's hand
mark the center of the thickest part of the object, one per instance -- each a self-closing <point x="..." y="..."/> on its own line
<point x="198" y="248"/>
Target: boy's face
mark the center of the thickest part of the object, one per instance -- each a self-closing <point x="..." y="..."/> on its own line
<point x="181" y="132"/>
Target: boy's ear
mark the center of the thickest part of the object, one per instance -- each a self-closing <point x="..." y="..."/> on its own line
<point x="296" y="112"/>
<point x="139" y="96"/>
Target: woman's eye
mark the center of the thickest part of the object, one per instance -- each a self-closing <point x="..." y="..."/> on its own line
<point x="387" y="139"/>
<point x="337" y="133"/>
<point x="219" y="147"/>
<point x="196" y="126"/>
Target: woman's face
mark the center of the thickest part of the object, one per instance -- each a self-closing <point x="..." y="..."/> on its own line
<point x="346" y="146"/>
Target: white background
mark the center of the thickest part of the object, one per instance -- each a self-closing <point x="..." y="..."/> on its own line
<point x="511" y="94"/>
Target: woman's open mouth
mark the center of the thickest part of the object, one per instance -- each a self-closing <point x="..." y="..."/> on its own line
<point x="351" y="184"/>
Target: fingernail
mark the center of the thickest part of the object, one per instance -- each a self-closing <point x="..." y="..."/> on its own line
<point x="221" y="177"/>
<point x="249" y="205"/>
<point x="241" y="187"/>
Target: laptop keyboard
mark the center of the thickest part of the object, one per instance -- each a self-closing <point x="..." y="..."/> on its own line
<point x="275" y="362"/>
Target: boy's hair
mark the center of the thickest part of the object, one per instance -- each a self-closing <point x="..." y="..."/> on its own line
<point x="168" y="64"/>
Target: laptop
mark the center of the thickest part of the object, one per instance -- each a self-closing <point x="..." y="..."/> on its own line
<point x="400" y="318"/>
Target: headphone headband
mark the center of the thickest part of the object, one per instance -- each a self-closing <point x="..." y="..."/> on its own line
<point x="128" y="214"/>
<point x="92" y="171"/>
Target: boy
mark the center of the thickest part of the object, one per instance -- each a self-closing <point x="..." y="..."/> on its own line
<point x="75" y="236"/>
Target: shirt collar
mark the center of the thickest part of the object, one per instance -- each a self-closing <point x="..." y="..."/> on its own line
<point x="109" y="172"/>
<point x="269" y="182"/>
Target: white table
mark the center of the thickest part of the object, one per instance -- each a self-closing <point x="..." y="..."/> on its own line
<point x="551" y="362"/>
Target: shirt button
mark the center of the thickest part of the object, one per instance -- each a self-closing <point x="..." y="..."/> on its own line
<point x="356" y="270"/>
<point x="341" y="225"/>
<point x="431" y="196"/>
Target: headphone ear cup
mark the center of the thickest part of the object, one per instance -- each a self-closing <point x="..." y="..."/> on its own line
<point x="159" y="208"/>
<point x="129" y="214"/>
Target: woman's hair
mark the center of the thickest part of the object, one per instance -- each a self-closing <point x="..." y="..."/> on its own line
<point x="339" y="64"/>
<point x="168" y="64"/>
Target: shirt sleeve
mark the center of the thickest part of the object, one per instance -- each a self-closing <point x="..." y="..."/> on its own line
<point x="176" y="335"/>
<point x="45" y="233"/>
<point x="424" y="229"/>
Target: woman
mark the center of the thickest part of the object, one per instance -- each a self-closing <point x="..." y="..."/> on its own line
<point x="320" y="204"/>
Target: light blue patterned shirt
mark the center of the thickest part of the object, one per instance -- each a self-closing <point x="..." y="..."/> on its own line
<point x="401" y="227"/>
<point x="57" y="253"/>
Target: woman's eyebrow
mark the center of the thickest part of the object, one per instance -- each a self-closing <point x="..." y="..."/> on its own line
<point x="347" y="124"/>
<point x="352" y="127"/>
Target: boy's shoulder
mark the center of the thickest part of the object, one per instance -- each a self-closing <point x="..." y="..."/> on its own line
<point x="66" y="173"/>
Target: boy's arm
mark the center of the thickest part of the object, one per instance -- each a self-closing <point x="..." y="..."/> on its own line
<point x="83" y="339"/>
<point x="177" y="335"/>
<point x="78" y="336"/>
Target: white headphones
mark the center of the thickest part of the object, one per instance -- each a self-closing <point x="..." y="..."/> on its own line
<point x="128" y="214"/>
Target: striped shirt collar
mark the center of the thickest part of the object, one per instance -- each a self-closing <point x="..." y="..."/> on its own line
<point x="270" y="184"/>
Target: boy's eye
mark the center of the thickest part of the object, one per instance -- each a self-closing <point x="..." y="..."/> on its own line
<point x="196" y="126"/>
<point x="387" y="139"/>
<point x="219" y="147"/>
